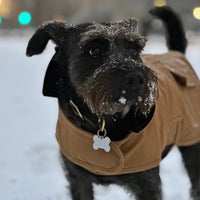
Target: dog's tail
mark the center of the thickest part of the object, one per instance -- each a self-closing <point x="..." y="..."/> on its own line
<point x="175" y="33"/>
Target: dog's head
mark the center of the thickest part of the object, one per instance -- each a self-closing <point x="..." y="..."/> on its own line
<point x="103" y="64"/>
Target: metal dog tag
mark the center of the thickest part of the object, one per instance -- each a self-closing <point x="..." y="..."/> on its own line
<point x="101" y="142"/>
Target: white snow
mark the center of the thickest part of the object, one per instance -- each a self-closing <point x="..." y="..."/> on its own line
<point x="123" y="91"/>
<point x="29" y="163"/>
<point x="122" y="100"/>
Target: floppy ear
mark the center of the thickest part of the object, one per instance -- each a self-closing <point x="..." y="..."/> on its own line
<point x="50" y="85"/>
<point x="57" y="32"/>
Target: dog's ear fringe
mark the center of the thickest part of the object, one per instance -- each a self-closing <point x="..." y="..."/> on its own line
<point x="50" y="85"/>
<point x="52" y="30"/>
<point x="132" y="23"/>
<point x="129" y="24"/>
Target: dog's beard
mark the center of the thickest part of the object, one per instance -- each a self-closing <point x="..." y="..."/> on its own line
<point x="145" y="103"/>
<point x="107" y="97"/>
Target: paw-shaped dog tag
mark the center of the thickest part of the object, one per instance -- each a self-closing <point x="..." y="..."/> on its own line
<point x="101" y="143"/>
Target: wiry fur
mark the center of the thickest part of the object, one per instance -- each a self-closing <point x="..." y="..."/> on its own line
<point x="97" y="91"/>
<point x="92" y="83"/>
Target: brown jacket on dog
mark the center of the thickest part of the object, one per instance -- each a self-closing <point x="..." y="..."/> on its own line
<point x="176" y="121"/>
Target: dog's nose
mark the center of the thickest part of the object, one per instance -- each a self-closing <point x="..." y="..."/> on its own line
<point x="135" y="80"/>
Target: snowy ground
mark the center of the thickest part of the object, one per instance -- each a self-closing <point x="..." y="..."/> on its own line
<point x="29" y="165"/>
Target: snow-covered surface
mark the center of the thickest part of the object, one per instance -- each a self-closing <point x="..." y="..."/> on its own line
<point x="29" y="163"/>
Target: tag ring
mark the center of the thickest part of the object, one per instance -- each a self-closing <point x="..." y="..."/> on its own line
<point x="104" y="133"/>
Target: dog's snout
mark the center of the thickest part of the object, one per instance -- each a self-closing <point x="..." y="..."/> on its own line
<point x="134" y="80"/>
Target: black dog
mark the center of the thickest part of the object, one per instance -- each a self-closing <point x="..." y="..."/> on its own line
<point x="104" y="88"/>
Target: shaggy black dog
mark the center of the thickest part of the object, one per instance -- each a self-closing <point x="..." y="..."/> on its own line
<point x="103" y="87"/>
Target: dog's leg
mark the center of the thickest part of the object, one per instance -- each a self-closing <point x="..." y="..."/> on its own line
<point x="149" y="183"/>
<point x="145" y="185"/>
<point x="80" y="181"/>
<point x="80" y="187"/>
<point x="191" y="158"/>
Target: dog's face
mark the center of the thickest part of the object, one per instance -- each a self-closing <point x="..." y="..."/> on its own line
<point x="104" y="65"/>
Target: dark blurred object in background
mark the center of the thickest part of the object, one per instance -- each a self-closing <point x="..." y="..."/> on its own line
<point x="31" y="13"/>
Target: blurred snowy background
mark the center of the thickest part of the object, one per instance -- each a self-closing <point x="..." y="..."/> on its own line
<point x="29" y="162"/>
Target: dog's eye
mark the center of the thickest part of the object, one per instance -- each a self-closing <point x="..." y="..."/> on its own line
<point x="133" y="52"/>
<point x="133" y="48"/>
<point x="95" y="51"/>
<point x="97" y="48"/>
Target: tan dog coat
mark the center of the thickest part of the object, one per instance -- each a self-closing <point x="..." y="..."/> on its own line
<point x="176" y="121"/>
